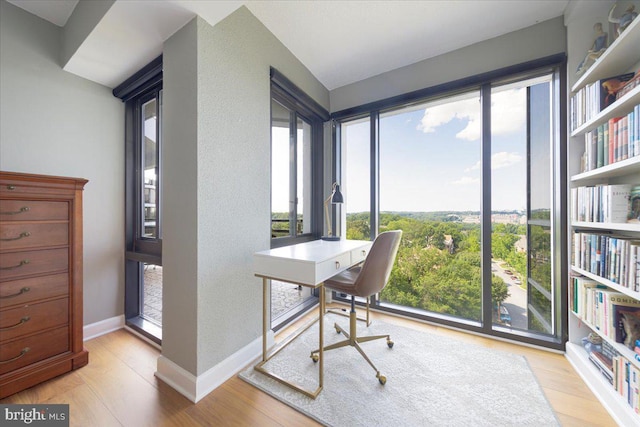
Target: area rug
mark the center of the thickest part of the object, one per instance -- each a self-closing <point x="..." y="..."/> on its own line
<point x="432" y="380"/>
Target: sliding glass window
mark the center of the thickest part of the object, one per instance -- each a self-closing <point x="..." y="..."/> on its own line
<point x="468" y="174"/>
<point x="296" y="185"/>
<point x="142" y="94"/>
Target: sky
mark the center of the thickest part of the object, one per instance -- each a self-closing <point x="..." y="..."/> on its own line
<point x="430" y="156"/>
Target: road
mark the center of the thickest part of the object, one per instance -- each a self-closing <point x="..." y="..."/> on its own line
<point x="516" y="303"/>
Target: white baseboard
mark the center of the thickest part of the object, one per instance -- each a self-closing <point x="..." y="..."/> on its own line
<point x="195" y="388"/>
<point x="102" y="327"/>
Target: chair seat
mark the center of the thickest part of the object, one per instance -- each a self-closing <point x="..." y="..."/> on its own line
<point x="345" y="281"/>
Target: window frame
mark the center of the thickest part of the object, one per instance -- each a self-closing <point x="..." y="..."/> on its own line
<point x="554" y="64"/>
<point x="143" y="86"/>
<point x="302" y="106"/>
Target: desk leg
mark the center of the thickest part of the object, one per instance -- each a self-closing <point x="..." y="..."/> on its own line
<point x="321" y="337"/>
<point x="266" y="357"/>
<point x="265" y="317"/>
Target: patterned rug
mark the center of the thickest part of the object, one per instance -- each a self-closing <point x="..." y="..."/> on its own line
<point x="432" y="380"/>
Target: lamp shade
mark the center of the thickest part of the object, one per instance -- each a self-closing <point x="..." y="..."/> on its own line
<point x="336" y="196"/>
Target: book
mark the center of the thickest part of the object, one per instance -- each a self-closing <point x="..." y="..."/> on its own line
<point x="627" y="320"/>
<point x="610" y="86"/>
<point x="629" y="86"/>
<point x="618" y="202"/>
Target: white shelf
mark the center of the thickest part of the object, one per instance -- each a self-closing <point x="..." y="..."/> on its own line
<point x="629" y="292"/>
<point x="616" y="226"/>
<point x="618" y="409"/>
<point x="622" y="168"/>
<point x="620" y="348"/>
<point x="621" y="107"/>
<point x="620" y="56"/>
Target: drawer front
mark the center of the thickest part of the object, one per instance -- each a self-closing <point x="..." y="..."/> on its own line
<point x="18" y="353"/>
<point x="32" y="318"/>
<point x="33" y="210"/>
<point x="25" y="291"/>
<point x="333" y="266"/>
<point x="19" y="264"/>
<point x="22" y="235"/>
<point x="359" y="255"/>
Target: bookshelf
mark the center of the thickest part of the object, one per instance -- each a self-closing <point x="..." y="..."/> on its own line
<point x="622" y="56"/>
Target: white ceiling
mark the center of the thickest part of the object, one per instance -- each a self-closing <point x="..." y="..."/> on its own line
<point x="340" y="42"/>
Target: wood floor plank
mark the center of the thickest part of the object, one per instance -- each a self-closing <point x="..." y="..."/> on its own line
<point x="132" y="400"/>
<point x="86" y="408"/>
<point x="118" y="388"/>
<point x="585" y="410"/>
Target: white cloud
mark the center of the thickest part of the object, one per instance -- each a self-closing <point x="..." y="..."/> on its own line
<point x="465" y="180"/>
<point x="440" y="114"/>
<point x="474" y="167"/>
<point x="508" y="110"/>
<point x="503" y="159"/>
<point x="498" y="161"/>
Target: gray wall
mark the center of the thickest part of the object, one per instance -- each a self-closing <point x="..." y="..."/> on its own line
<point x="55" y="123"/>
<point x="544" y="39"/>
<point x="217" y="183"/>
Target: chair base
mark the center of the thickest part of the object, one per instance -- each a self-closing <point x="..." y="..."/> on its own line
<point x="354" y="341"/>
<point x="343" y="312"/>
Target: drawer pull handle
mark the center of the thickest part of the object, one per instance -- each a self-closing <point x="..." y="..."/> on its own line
<point x="23" y="262"/>
<point x="20" y="292"/>
<point x="337" y="265"/>
<point x="22" y="321"/>
<point x="11" y="187"/>
<point x="364" y="252"/>
<point x="22" y="353"/>
<point x="21" y="210"/>
<point x="21" y="236"/>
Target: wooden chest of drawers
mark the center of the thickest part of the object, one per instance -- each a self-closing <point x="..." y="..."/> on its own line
<point x="40" y="279"/>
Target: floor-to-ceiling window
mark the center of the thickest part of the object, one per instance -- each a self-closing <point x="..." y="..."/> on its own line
<point x="142" y="94"/>
<point x="296" y="184"/>
<point x="468" y="173"/>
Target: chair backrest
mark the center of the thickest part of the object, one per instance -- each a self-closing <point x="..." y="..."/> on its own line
<point x="377" y="266"/>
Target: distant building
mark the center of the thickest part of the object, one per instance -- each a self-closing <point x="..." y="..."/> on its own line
<point x="521" y="244"/>
<point x="448" y="243"/>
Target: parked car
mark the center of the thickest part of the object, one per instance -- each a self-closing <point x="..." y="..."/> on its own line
<point x="508" y="272"/>
<point x="505" y="317"/>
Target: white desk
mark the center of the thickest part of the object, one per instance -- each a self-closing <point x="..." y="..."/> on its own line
<point x="307" y="264"/>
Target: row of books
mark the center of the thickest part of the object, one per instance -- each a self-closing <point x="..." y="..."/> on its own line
<point x="622" y="374"/>
<point x="629" y="86"/>
<point x="607" y="310"/>
<point x="613" y="141"/>
<point x="626" y="377"/>
<point x="601" y="203"/>
<point x="589" y="101"/>
<point x="616" y="259"/>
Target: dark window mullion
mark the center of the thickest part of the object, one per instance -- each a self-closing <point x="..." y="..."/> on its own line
<point x="293" y="174"/>
<point x="485" y="217"/>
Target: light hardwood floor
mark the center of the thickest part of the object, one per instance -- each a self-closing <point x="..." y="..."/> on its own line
<point x="118" y="388"/>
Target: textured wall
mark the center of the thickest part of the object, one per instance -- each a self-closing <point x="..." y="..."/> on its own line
<point x="544" y="39"/>
<point x="55" y="123"/>
<point x="180" y="197"/>
<point x="222" y="172"/>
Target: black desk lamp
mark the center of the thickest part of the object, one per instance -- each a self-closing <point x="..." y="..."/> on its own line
<point x="334" y="198"/>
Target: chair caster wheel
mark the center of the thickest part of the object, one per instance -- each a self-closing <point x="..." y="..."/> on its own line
<point x="315" y="358"/>
<point x="382" y="379"/>
<point x="390" y="343"/>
